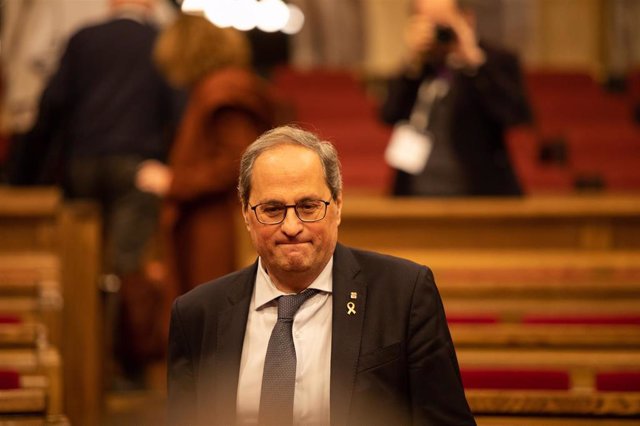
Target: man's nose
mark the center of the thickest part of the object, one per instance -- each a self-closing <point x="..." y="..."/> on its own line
<point x="291" y="225"/>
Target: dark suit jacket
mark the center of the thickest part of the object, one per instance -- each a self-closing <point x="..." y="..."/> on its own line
<point x="484" y="105"/>
<point x="392" y="363"/>
<point x="105" y="99"/>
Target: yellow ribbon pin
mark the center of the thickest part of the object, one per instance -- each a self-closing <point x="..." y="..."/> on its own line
<point x="351" y="308"/>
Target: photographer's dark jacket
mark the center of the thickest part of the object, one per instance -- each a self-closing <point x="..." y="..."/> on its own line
<point x="472" y="120"/>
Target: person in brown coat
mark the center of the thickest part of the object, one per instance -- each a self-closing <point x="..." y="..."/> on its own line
<point x="229" y="106"/>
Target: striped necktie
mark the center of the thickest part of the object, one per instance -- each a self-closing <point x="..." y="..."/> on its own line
<point x="278" y="378"/>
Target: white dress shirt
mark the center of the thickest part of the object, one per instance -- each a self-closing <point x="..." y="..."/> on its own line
<point x="312" y="340"/>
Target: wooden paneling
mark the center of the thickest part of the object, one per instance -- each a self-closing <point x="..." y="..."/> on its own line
<point x="551" y="34"/>
<point x="569" y="34"/>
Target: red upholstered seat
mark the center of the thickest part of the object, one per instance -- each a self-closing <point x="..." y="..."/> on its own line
<point x="618" y="381"/>
<point x="515" y="379"/>
<point x="9" y="379"/>
<point x="10" y="319"/>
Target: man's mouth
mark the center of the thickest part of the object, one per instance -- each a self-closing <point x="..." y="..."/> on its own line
<point x="291" y="243"/>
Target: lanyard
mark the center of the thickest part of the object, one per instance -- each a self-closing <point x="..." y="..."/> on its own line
<point x="429" y="92"/>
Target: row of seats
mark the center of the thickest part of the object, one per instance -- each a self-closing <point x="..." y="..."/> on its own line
<point x="50" y="335"/>
<point x="583" y="137"/>
<point x="547" y="340"/>
<point x="605" y="381"/>
<point x="30" y="363"/>
<point x="334" y="104"/>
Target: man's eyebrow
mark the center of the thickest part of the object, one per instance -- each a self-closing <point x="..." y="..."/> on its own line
<point x="299" y="200"/>
<point x="307" y="198"/>
<point x="272" y="201"/>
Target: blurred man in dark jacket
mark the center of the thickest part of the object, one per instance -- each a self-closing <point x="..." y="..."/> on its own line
<point x="105" y="111"/>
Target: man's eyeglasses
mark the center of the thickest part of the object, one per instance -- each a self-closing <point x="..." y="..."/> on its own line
<point x="275" y="213"/>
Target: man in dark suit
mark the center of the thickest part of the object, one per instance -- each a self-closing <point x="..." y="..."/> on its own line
<point x="460" y="96"/>
<point x="370" y="343"/>
<point x="103" y="113"/>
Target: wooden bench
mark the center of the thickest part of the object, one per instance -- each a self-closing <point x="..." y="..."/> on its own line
<point x="540" y="298"/>
<point x="545" y="336"/>
<point x="47" y="234"/>
<point x="582" y="365"/>
<point x="582" y="222"/>
<point x="494" y="381"/>
<point x="22" y="401"/>
<point x="31" y="308"/>
<point x="30" y="334"/>
<point x="37" y="369"/>
<point x="510" y="286"/>
<point x="511" y="420"/>
<point x="30" y="289"/>
<point x="565" y="403"/>
<point x="544" y="312"/>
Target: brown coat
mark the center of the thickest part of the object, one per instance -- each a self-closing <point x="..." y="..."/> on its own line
<point x="227" y="111"/>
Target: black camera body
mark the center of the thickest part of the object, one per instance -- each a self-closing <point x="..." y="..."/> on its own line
<point x="445" y="35"/>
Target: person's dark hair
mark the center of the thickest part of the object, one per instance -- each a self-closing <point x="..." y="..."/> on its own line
<point x="290" y="135"/>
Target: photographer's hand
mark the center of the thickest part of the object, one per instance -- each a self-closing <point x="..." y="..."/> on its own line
<point x="465" y="53"/>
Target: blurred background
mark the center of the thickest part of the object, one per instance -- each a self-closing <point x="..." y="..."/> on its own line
<point x="580" y="59"/>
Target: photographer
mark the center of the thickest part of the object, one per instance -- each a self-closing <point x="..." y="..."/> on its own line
<point x="452" y="103"/>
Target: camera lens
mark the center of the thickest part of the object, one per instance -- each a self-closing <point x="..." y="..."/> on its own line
<point x="445" y="34"/>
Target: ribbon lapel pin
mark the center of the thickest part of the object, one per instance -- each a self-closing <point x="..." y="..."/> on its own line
<point x="351" y="307"/>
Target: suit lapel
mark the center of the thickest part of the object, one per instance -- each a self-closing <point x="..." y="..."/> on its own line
<point x="232" y="323"/>
<point x="346" y="331"/>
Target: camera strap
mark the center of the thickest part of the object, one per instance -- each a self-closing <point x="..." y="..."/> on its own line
<point x="429" y="92"/>
<point x="411" y="143"/>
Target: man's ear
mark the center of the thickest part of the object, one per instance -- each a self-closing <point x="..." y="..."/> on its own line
<point x="338" y="203"/>
<point x="245" y="216"/>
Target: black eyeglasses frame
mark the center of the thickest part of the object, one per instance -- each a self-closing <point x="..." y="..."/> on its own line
<point x="286" y="210"/>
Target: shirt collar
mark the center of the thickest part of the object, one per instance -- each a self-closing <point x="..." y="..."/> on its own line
<point x="266" y="291"/>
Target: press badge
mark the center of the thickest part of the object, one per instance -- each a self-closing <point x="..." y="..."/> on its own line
<point x="408" y="149"/>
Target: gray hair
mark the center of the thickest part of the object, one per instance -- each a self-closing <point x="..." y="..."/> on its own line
<point x="290" y="135"/>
